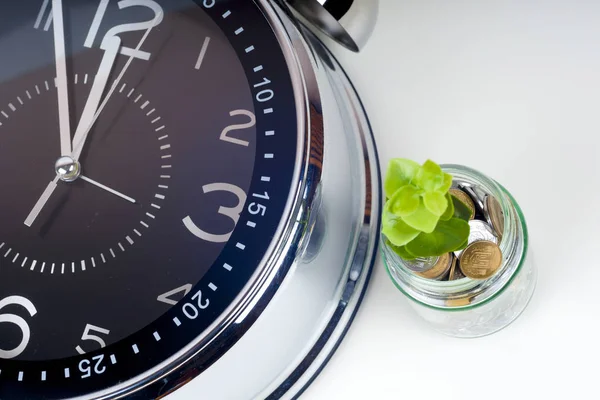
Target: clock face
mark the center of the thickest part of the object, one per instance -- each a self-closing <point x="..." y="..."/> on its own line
<point x="142" y="180"/>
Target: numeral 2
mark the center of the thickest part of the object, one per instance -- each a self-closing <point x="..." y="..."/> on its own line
<point x="232" y="128"/>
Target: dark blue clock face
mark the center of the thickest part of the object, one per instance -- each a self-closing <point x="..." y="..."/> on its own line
<point x="144" y="176"/>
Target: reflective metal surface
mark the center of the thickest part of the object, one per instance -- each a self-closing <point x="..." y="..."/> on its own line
<point x="349" y="22"/>
<point x="272" y="342"/>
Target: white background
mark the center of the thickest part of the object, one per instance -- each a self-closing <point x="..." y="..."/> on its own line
<point x="511" y="88"/>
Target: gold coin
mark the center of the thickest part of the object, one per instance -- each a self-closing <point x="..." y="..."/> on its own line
<point x="465" y="198"/>
<point x="452" y="268"/>
<point x="439" y="269"/>
<point x="494" y="214"/>
<point x="465" y="301"/>
<point x="480" y="260"/>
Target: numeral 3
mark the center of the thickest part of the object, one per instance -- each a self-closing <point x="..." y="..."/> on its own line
<point x="232" y="212"/>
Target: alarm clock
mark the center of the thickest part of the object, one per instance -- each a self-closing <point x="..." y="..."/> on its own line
<point x="189" y="189"/>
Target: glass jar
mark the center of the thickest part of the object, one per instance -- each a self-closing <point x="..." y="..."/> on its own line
<point x="468" y="307"/>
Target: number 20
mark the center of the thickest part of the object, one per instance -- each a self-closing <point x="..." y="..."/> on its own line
<point x="132" y="27"/>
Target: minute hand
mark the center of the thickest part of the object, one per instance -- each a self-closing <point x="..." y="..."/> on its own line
<point x="61" y="78"/>
<point x="78" y="142"/>
<point x="87" y="117"/>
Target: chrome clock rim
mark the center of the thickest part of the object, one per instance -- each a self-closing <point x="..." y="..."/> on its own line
<point x="239" y="317"/>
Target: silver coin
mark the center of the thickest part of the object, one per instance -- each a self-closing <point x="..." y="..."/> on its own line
<point x="441" y="268"/>
<point x="477" y="195"/>
<point x="479" y="231"/>
<point x="421" y="264"/>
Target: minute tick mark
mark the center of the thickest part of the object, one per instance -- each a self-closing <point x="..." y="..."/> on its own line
<point x="202" y="53"/>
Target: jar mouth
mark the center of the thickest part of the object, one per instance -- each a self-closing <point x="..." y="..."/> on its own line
<point x="466" y="293"/>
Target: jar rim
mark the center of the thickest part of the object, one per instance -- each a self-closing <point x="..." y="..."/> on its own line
<point x="447" y="295"/>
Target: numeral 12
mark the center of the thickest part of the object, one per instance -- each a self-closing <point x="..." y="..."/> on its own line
<point x="114" y="31"/>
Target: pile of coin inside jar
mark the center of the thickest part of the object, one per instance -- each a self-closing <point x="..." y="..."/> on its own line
<point x="482" y="257"/>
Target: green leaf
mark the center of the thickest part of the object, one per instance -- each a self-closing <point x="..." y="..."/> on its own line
<point x="396" y="230"/>
<point x="401" y="251"/>
<point x="466" y="243"/>
<point x="422" y="219"/>
<point x="429" y="176"/>
<point x="405" y="201"/>
<point x="448" y="236"/>
<point x="435" y="202"/>
<point x="449" y="213"/>
<point x="461" y="210"/>
<point x="446" y="184"/>
<point x="400" y="173"/>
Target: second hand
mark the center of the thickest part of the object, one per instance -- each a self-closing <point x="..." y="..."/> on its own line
<point x="106" y="188"/>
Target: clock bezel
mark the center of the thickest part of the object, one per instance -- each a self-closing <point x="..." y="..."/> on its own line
<point x="239" y="316"/>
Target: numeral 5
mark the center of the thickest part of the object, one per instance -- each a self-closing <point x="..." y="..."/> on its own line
<point x="88" y="336"/>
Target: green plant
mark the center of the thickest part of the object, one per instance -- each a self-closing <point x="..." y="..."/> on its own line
<point x="420" y="217"/>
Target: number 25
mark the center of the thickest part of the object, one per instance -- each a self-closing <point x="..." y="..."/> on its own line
<point x="132" y="27"/>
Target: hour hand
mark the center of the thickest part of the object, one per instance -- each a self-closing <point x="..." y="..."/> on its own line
<point x="89" y="111"/>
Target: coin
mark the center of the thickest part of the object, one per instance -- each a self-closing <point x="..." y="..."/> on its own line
<point x="455" y="272"/>
<point x="479" y="230"/>
<point x="452" y="268"/>
<point x="439" y="270"/>
<point x="461" y="302"/>
<point x="421" y="264"/>
<point x="476" y="194"/>
<point x="481" y="260"/>
<point x="494" y="215"/>
<point x="465" y="198"/>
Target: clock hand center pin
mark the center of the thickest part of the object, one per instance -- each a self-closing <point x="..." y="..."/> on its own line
<point x="67" y="169"/>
